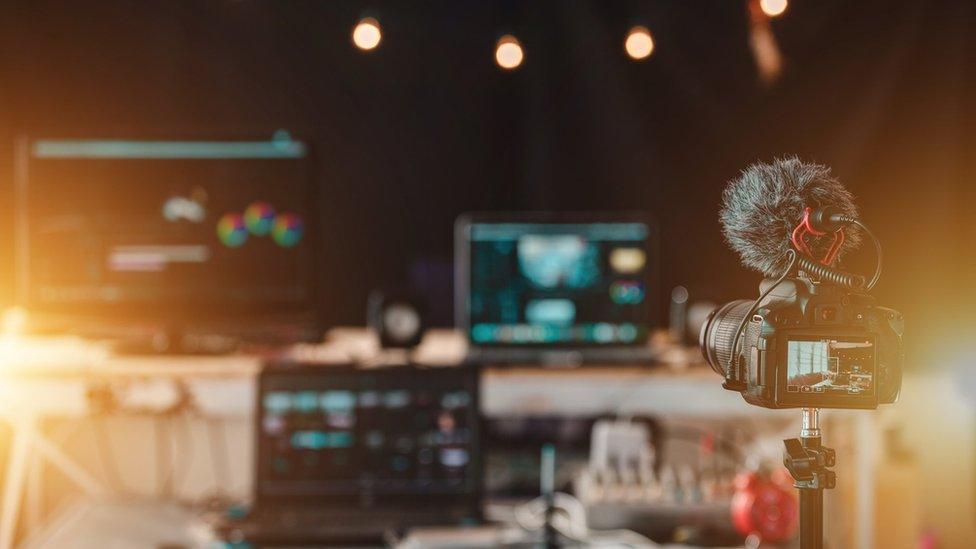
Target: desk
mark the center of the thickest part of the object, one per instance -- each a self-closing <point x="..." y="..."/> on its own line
<point x="52" y="377"/>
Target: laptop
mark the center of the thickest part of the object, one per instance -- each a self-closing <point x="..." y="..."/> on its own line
<point x="558" y="289"/>
<point x="346" y="456"/>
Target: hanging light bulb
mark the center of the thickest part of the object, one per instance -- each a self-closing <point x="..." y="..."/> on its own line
<point x="774" y="8"/>
<point x="639" y="44"/>
<point x="366" y="35"/>
<point x="508" y="52"/>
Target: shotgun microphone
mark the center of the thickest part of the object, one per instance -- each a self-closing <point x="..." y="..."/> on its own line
<point x="763" y="208"/>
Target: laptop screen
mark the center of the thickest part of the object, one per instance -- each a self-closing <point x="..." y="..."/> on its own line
<point x="555" y="281"/>
<point x="337" y="434"/>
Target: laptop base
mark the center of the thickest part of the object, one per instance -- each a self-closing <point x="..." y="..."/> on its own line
<point x="562" y="358"/>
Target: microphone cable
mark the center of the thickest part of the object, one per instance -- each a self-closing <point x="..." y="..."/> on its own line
<point x="825" y="273"/>
<point x="752" y="310"/>
<point x="877" y="250"/>
<point x="832" y="221"/>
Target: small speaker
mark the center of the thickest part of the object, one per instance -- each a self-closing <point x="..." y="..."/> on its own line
<point x="397" y="318"/>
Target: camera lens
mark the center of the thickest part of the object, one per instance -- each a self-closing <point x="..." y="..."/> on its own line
<point x="718" y="332"/>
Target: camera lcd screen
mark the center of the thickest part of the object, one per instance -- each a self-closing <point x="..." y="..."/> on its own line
<point x="839" y="366"/>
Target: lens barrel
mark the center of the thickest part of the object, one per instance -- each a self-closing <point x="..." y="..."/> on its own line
<point x="718" y="332"/>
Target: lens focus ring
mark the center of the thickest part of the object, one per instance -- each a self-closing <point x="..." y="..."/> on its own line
<point x="717" y="335"/>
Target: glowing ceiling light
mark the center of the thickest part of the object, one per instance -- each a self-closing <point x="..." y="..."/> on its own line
<point x="773" y="8"/>
<point x="367" y="35"/>
<point x="508" y="52"/>
<point x="639" y="44"/>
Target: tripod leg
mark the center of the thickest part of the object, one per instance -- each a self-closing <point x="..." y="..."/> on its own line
<point x="811" y="519"/>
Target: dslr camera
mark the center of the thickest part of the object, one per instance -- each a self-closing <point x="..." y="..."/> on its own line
<point x="807" y="345"/>
<point x="815" y="337"/>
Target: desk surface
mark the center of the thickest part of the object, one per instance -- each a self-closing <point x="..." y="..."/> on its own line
<point x="65" y="357"/>
<point x="52" y="374"/>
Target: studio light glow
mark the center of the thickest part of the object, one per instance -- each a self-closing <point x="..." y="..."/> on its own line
<point x="639" y="44"/>
<point x="367" y="35"/>
<point x="13" y="320"/>
<point x="508" y="52"/>
<point x="773" y="8"/>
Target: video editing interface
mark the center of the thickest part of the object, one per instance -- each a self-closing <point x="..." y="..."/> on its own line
<point x="117" y="223"/>
<point x="399" y="431"/>
<point x="831" y="366"/>
<point x="551" y="283"/>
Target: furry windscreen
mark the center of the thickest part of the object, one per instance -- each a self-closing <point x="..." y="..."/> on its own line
<point x="762" y="206"/>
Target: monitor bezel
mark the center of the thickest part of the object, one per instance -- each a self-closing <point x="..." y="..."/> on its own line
<point x="462" y="269"/>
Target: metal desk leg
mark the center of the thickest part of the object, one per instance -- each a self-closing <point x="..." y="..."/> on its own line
<point x="56" y="457"/>
<point x="35" y="491"/>
<point x="27" y="438"/>
<point x="14" y="482"/>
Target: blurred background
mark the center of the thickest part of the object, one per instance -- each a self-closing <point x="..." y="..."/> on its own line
<point x="406" y="136"/>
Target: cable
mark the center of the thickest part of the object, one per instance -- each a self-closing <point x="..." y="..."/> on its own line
<point x="851" y="281"/>
<point x="877" y="250"/>
<point x="824" y="273"/>
<point x="755" y="305"/>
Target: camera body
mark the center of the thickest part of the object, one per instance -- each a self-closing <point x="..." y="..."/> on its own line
<point x="809" y="344"/>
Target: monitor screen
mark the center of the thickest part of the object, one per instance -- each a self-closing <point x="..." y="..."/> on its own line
<point x="556" y="282"/>
<point x="401" y="431"/>
<point x="157" y="229"/>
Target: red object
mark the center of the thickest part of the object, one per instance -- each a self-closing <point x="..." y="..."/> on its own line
<point x="801" y="231"/>
<point x="765" y="507"/>
<point x="707" y="444"/>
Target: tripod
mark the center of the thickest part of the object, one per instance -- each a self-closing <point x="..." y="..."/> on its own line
<point x="808" y="462"/>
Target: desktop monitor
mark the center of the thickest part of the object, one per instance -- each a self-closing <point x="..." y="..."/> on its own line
<point x="556" y="280"/>
<point x="149" y="232"/>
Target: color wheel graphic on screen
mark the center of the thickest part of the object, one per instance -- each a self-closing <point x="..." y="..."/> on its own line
<point x="231" y="230"/>
<point x="288" y="230"/>
<point x="259" y="218"/>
